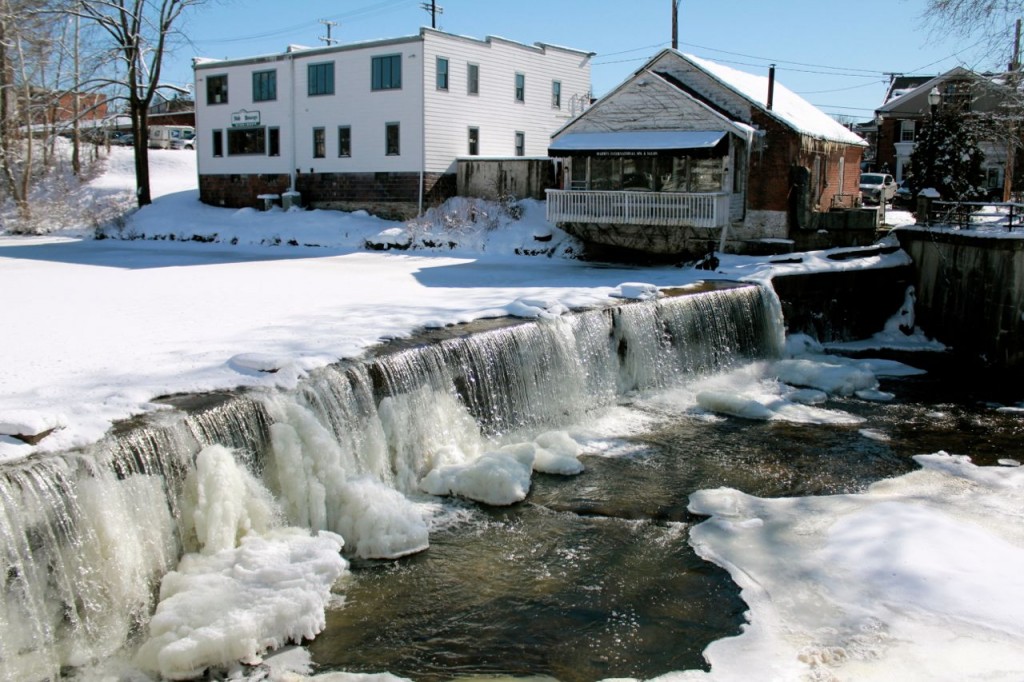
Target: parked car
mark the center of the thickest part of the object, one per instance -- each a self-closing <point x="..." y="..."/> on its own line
<point x="187" y="141"/>
<point x="904" y="198"/>
<point x="877" y="187"/>
<point x="122" y="139"/>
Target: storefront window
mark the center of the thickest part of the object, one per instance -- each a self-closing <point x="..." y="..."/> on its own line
<point x="648" y="173"/>
<point x="247" y="141"/>
<point x="705" y="175"/>
<point x="605" y="173"/>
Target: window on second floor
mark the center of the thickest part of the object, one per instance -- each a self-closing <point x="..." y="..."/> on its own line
<point x="386" y="72"/>
<point x="319" y="143"/>
<point x="217" y="89"/>
<point x="442" y="73"/>
<point x="321" y="79"/>
<point x="474" y="141"/>
<point x="520" y="87"/>
<point x="473" y="79"/>
<point x="344" y="141"/>
<point x="556" y="94"/>
<point x="264" y="86"/>
<point x="392" y="139"/>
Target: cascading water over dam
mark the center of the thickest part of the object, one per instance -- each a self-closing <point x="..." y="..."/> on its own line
<point x="86" y="536"/>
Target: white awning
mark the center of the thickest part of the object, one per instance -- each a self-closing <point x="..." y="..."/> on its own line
<point x="635" y="142"/>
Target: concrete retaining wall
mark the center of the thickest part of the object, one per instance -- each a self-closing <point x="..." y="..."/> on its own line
<point x="494" y="179"/>
<point x="970" y="293"/>
<point x="842" y="305"/>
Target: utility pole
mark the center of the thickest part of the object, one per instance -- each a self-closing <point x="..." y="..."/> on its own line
<point x="328" y="40"/>
<point x="675" y="24"/>
<point x="1013" y="141"/>
<point x="434" y="10"/>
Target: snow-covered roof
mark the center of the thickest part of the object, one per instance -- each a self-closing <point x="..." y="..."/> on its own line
<point x="637" y="140"/>
<point x="907" y="98"/>
<point x="787" y="106"/>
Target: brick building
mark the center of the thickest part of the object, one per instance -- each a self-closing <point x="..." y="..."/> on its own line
<point x="49" y="108"/>
<point x="686" y="155"/>
<point x="907" y="108"/>
<point x="377" y="125"/>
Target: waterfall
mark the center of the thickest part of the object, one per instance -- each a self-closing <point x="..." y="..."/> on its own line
<point x="86" y="536"/>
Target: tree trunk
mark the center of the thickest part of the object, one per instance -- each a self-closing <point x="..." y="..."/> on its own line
<point x="140" y="120"/>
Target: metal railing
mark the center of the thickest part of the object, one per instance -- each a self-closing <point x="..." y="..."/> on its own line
<point x="964" y="214"/>
<point x="710" y="209"/>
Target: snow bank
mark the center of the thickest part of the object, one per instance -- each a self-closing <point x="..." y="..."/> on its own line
<point x="915" y="579"/>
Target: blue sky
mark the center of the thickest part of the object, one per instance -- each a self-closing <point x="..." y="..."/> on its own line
<point x="835" y="54"/>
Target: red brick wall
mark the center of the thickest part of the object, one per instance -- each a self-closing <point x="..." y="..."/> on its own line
<point x="768" y="187"/>
<point x="771" y="168"/>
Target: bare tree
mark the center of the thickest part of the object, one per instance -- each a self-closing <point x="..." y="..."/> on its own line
<point x="140" y="32"/>
<point x="23" y="37"/>
<point x="991" y="21"/>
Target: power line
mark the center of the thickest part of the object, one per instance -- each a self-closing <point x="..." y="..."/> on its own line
<point x="353" y="15"/>
<point x="782" y="61"/>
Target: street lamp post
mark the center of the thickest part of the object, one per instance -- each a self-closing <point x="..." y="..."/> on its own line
<point x="878" y="163"/>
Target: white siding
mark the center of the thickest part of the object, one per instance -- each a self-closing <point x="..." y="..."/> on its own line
<point x="353" y="104"/>
<point x="211" y="117"/>
<point x="417" y="106"/>
<point x="450" y="114"/>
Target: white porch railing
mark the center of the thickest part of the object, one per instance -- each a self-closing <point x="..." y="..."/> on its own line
<point x="639" y="208"/>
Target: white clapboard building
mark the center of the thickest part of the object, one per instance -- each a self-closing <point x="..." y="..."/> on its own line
<point x="377" y="125"/>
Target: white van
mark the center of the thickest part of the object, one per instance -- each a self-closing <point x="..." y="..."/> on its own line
<point x="162" y="137"/>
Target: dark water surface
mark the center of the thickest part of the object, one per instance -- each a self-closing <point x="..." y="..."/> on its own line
<point x="593" y="577"/>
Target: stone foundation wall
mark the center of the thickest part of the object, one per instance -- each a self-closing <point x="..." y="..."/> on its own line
<point x="240" y="191"/>
<point x="389" y="195"/>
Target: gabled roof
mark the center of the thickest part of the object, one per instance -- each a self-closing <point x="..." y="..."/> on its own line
<point x="916" y="99"/>
<point x="787" y="107"/>
<point x="901" y="85"/>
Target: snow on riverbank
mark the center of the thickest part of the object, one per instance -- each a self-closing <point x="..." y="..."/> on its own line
<point x="212" y="298"/>
<point x="911" y="580"/>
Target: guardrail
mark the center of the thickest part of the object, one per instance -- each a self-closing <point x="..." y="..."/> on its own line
<point x="709" y="209"/>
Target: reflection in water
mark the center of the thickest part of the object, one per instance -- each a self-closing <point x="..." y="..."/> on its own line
<point x="592" y="577"/>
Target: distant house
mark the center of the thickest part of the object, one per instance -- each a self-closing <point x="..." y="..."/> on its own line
<point x="907" y="108"/>
<point x="686" y="155"/>
<point x="176" y="111"/>
<point x="378" y="125"/>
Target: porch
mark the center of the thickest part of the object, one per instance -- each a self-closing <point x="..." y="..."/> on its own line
<point x="665" y="209"/>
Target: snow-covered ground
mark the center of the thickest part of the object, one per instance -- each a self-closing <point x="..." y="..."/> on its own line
<point x="211" y="296"/>
<point x="917" y="578"/>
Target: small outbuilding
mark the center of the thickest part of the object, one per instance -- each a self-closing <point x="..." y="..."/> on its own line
<point x="686" y="156"/>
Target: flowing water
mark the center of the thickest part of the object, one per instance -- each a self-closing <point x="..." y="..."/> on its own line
<point x="590" y="577"/>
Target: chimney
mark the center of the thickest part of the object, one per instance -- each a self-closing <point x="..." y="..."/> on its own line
<point x="771" y="86"/>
